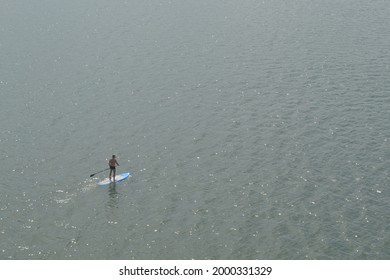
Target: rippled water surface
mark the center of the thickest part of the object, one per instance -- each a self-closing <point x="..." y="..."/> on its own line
<point x="253" y="129"/>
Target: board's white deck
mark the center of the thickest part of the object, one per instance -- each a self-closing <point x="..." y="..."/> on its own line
<point x="118" y="178"/>
<point x="107" y="180"/>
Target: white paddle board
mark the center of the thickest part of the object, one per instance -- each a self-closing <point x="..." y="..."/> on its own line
<point x="118" y="178"/>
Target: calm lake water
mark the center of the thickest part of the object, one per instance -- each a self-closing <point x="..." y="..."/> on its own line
<point x="252" y="129"/>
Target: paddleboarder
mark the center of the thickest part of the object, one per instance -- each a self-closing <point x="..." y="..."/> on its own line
<point x="112" y="163"/>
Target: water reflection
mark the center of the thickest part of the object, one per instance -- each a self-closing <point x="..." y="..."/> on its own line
<point x="113" y="196"/>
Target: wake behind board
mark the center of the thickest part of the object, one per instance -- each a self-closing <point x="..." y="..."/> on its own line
<point x="118" y="178"/>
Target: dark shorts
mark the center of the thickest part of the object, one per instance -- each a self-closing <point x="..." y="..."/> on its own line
<point x="112" y="167"/>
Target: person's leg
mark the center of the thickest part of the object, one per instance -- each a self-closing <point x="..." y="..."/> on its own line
<point x="109" y="176"/>
<point x="114" y="171"/>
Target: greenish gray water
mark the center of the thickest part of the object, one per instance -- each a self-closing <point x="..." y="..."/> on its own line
<point x="253" y="129"/>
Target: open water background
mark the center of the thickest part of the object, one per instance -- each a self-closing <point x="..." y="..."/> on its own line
<point x="253" y="129"/>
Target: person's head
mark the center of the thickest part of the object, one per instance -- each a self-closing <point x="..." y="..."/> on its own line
<point x="113" y="156"/>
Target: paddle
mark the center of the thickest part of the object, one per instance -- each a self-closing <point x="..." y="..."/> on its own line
<point x="98" y="172"/>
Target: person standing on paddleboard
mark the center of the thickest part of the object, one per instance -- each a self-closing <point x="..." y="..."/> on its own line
<point x="112" y="163"/>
